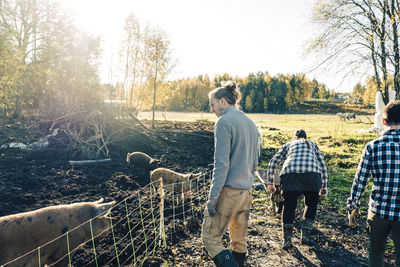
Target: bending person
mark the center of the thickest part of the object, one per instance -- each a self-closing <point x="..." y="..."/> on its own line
<point x="304" y="172"/>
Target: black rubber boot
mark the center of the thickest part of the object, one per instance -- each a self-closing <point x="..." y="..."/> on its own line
<point x="225" y="259"/>
<point x="306" y="228"/>
<point x="239" y="257"/>
<point x="287" y="236"/>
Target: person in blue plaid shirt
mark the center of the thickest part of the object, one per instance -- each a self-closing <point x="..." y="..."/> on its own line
<point x="381" y="158"/>
<point x="304" y="172"/>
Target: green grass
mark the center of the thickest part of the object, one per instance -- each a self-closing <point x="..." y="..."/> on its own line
<point x="339" y="141"/>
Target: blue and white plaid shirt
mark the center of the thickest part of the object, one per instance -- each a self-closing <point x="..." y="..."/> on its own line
<point x="299" y="156"/>
<point x="381" y="158"/>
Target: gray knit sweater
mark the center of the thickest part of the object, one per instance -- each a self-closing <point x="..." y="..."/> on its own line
<point x="237" y="149"/>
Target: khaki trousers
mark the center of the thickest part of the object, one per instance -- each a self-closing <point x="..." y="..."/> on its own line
<point x="233" y="211"/>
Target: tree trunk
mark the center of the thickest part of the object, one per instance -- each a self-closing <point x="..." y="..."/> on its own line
<point x="377" y="77"/>
<point x="155" y="88"/>
<point x="154" y="99"/>
<point x="383" y="55"/>
<point x="127" y="71"/>
<point x="396" y="77"/>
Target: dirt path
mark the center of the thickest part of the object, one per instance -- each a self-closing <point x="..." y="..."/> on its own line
<point x="265" y="238"/>
<point x="264" y="242"/>
<point x="335" y="244"/>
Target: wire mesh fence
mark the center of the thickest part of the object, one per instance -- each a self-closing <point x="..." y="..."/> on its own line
<point x="138" y="226"/>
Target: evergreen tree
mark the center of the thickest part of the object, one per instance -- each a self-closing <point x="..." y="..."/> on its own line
<point x="323" y="92"/>
<point x="249" y="103"/>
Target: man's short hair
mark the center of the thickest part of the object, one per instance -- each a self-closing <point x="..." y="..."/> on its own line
<point x="300" y="133"/>
<point x="392" y="112"/>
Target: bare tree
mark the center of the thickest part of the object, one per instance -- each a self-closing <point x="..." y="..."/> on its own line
<point x="354" y="35"/>
<point x="131" y="51"/>
<point x="159" y="61"/>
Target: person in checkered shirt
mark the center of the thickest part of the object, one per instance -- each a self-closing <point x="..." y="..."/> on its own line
<point x="304" y="172"/>
<point x="381" y="159"/>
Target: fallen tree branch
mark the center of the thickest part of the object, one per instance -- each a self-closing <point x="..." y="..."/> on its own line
<point x="88" y="162"/>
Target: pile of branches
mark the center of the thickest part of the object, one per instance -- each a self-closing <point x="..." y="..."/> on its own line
<point x="81" y="135"/>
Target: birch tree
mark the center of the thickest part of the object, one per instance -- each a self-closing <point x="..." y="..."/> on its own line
<point x="132" y="52"/>
<point x="159" y="61"/>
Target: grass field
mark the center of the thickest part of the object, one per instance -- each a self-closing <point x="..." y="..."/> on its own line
<point x="340" y="142"/>
<point x="315" y="123"/>
<point x="317" y="126"/>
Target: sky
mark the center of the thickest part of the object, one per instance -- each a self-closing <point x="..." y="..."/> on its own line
<point x="212" y="37"/>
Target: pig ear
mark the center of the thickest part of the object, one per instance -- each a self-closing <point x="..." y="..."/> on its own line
<point x="99" y="201"/>
<point x="104" y="208"/>
<point x="195" y="175"/>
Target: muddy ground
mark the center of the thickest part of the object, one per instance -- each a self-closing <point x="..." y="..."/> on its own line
<point x="38" y="178"/>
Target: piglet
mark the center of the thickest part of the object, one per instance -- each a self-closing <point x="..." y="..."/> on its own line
<point x="179" y="182"/>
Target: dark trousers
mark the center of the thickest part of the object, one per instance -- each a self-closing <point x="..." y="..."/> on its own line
<point x="290" y="204"/>
<point x="379" y="230"/>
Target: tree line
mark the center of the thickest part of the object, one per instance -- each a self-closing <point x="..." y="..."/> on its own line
<point x="49" y="68"/>
<point x="260" y="93"/>
<point x="145" y="85"/>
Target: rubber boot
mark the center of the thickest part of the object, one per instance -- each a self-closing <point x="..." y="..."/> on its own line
<point x="287" y="235"/>
<point x="239" y="257"/>
<point x="306" y="228"/>
<point x="225" y="259"/>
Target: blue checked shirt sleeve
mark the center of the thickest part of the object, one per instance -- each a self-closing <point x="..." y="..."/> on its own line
<point x="361" y="179"/>
<point x="324" y="169"/>
<point x="277" y="159"/>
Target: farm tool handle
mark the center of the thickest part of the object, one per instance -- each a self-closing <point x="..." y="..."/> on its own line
<point x="257" y="174"/>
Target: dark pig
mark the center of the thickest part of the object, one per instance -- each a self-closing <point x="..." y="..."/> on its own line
<point x="141" y="160"/>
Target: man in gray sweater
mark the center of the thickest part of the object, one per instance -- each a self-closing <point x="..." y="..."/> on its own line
<point x="237" y="149"/>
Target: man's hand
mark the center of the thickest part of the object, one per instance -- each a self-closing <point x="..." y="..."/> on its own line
<point x="351" y="214"/>
<point x="212" y="206"/>
<point x="271" y="188"/>
<point x="323" y="192"/>
<point x="265" y="186"/>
